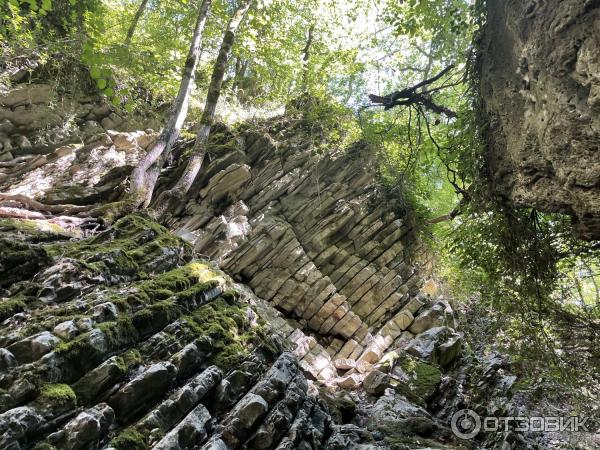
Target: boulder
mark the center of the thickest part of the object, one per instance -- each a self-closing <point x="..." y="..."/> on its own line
<point x="85" y="430"/>
<point x="34" y="347"/>
<point x="376" y="382"/>
<point x="389" y="408"/>
<point x="415" y="376"/>
<point x="22" y="143"/>
<point x="440" y="345"/>
<point x="432" y="317"/>
<point x="66" y="330"/>
<point x="5" y="156"/>
<point x="104" y="312"/>
<point x="17" y="424"/>
<point x="7" y="360"/>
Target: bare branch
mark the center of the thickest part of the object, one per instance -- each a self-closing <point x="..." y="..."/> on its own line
<point x="411" y="96"/>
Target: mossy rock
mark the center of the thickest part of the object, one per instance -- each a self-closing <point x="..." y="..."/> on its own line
<point x="134" y="244"/>
<point x="20" y="260"/>
<point x="11" y="306"/>
<point x="417" y="378"/>
<point x="129" y="439"/>
<point x="228" y="328"/>
<point x="57" y="397"/>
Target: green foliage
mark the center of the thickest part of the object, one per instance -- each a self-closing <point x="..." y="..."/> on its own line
<point x="526" y="266"/>
<point x="329" y="123"/>
<point x="447" y="24"/>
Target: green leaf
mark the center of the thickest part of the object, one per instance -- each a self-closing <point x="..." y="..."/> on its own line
<point x="101" y="83"/>
<point x="95" y="72"/>
<point x="108" y="92"/>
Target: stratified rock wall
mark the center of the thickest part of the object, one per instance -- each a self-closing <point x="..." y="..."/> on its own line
<point x="123" y="341"/>
<point x="315" y="237"/>
<point x="294" y="317"/>
<point x="540" y="87"/>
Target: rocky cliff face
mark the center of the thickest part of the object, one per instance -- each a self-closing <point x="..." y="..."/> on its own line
<point x="287" y="310"/>
<point x="540" y="86"/>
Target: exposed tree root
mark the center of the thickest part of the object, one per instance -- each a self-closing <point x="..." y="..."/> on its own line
<point x="86" y="225"/>
<point x="32" y="204"/>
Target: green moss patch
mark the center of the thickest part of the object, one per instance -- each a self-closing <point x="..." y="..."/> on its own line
<point x="10" y="307"/>
<point x="228" y="328"/>
<point x="129" y="439"/>
<point x="57" y="395"/>
<point x="420" y="378"/>
<point x="130" y="247"/>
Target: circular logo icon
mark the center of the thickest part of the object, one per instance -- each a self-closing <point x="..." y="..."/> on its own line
<point x="465" y="424"/>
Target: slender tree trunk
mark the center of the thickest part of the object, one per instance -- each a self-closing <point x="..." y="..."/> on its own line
<point x="142" y="178"/>
<point x="306" y="57"/>
<point x="214" y="91"/>
<point x="134" y="22"/>
<point x="240" y="72"/>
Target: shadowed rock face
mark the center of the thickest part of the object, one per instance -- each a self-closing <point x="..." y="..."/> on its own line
<point x="540" y="86"/>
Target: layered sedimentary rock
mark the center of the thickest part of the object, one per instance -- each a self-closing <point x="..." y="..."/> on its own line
<point x="540" y="87"/>
<point x="315" y="237"/>
<point x="122" y="341"/>
<point x="289" y="312"/>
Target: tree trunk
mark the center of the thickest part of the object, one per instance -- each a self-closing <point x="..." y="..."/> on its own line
<point x="240" y="72"/>
<point x="214" y="91"/>
<point x="134" y="22"/>
<point x="143" y="179"/>
<point x="306" y="57"/>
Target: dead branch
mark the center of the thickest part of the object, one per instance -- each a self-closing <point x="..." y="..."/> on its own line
<point x="413" y="97"/>
<point x="446" y="217"/>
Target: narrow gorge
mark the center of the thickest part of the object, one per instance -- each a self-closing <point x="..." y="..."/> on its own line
<point x="294" y="297"/>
